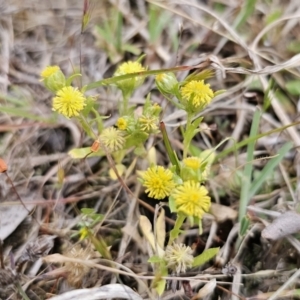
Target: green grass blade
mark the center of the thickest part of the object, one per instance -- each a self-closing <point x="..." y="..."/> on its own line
<point x="245" y="13"/>
<point x="268" y="169"/>
<point x="246" y="141"/>
<point x="22" y="113"/>
<point x="247" y="174"/>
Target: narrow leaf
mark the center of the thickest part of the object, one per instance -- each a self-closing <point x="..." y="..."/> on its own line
<point x="205" y="256"/>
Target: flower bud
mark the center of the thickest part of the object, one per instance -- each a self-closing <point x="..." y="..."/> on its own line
<point x="53" y="78"/>
<point x="167" y="83"/>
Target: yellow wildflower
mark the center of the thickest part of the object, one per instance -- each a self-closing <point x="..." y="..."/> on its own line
<point x="158" y="181"/>
<point x="112" y="139"/>
<point x="179" y="257"/>
<point x="83" y="233"/>
<point x="129" y="67"/>
<point x="48" y="71"/>
<point x="122" y="123"/>
<point x="69" y="101"/>
<point x="193" y="162"/>
<point x="191" y="199"/>
<point x="148" y="124"/>
<point x="197" y="94"/>
<point x="130" y="84"/>
<point x="53" y="78"/>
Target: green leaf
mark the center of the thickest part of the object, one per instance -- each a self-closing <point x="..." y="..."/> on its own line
<point x="268" y="169"/>
<point x="155" y="259"/>
<point x="160" y="286"/>
<point x="21" y="112"/>
<point x="87" y="211"/>
<point x="169" y="148"/>
<point x="247" y="174"/>
<point x="293" y="87"/>
<point x="70" y="79"/>
<point x="244" y="225"/>
<point x="136" y="139"/>
<point x="78" y="153"/>
<point x="273" y="16"/>
<point x="205" y="256"/>
<point x="100" y="246"/>
<point x="203" y="75"/>
<point x="158" y="282"/>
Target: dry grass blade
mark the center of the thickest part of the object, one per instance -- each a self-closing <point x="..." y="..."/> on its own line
<point x="111" y="290"/>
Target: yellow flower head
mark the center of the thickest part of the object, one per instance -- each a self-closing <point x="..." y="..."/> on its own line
<point x="69" y="101"/>
<point x="191" y="199"/>
<point x="148" y="124"/>
<point x="122" y="123"/>
<point x="112" y="139"/>
<point x="129" y="67"/>
<point x="193" y="162"/>
<point x="48" y="71"/>
<point x="196" y="94"/>
<point x="158" y="181"/>
<point x="179" y="257"/>
<point x="53" y="78"/>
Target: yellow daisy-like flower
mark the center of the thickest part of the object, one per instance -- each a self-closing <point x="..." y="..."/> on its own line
<point x="122" y="123"/>
<point x="129" y="67"/>
<point x="193" y="162"/>
<point x="48" y="71"/>
<point x="179" y="257"/>
<point x="148" y="124"/>
<point x="158" y="181"/>
<point x="197" y="94"/>
<point x="69" y="101"/>
<point x="112" y="139"/>
<point x="191" y="199"/>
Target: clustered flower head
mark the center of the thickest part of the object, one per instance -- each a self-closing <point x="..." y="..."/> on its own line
<point x="49" y="71"/>
<point x="158" y="181"/>
<point x="69" y="101"/>
<point x="77" y="270"/>
<point x="148" y="124"/>
<point x="192" y="169"/>
<point x="179" y="257"/>
<point x="191" y="199"/>
<point x="122" y="123"/>
<point x="192" y="162"/>
<point x="112" y="138"/>
<point x="130" y="84"/>
<point x="148" y="121"/>
<point x="196" y="95"/>
<point x="53" y="78"/>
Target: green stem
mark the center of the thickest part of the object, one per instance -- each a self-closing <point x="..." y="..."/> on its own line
<point x="201" y="66"/>
<point x="21" y="292"/>
<point x="168" y="146"/>
<point x="124" y="104"/>
<point x="176" y="230"/>
<point x="186" y="136"/>
<point x="87" y="127"/>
